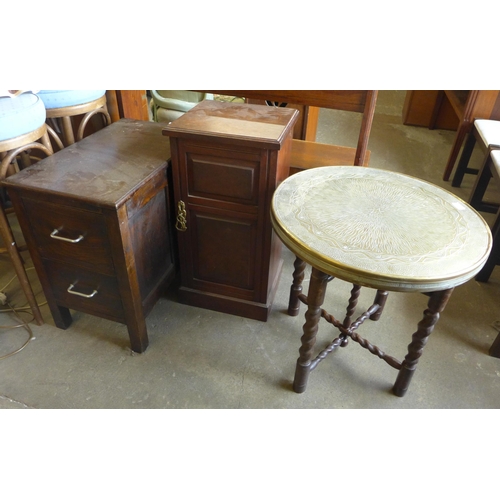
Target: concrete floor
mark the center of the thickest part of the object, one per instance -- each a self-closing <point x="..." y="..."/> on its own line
<point x="204" y="359"/>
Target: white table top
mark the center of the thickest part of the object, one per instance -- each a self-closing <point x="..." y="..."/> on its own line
<point x="380" y="229"/>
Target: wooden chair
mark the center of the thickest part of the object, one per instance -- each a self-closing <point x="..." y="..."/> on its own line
<point x="484" y="133"/>
<point x="70" y="110"/>
<point x="22" y="125"/>
<point x="168" y="105"/>
<point x="489" y="170"/>
<point x="310" y="154"/>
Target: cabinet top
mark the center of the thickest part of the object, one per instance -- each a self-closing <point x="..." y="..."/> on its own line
<point x="253" y="124"/>
<point x="104" y="168"/>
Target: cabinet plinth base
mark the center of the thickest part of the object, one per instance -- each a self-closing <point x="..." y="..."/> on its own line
<point x="220" y="303"/>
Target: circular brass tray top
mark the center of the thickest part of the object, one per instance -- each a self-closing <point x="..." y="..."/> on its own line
<point x="380" y="229"/>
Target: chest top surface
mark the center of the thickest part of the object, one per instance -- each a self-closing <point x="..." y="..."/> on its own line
<point x="265" y="126"/>
<point x="381" y="229"/>
<point x="104" y="168"/>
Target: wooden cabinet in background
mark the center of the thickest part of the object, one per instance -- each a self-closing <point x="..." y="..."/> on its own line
<point x="131" y="104"/>
<point x="227" y="160"/>
<point x="419" y="110"/>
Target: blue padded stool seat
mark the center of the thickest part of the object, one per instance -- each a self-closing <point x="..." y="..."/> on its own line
<point x="20" y="115"/>
<point x="63" y="98"/>
<point x="62" y="105"/>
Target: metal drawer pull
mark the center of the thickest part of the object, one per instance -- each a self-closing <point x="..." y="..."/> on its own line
<point x="87" y="296"/>
<point x="54" y="233"/>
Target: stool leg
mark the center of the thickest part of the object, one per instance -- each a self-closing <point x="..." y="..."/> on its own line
<point x="25" y="159"/>
<point x="464" y="160"/>
<point x="67" y="128"/>
<point x="53" y="134"/>
<point x="45" y="140"/>
<point x="436" y="304"/>
<point x="481" y="184"/>
<point x="296" y="288"/>
<point x="484" y="274"/>
<point x="106" y="120"/>
<point x="495" y="348"/>
<point x="10" y="244"/>
<point x="315" y="299"/>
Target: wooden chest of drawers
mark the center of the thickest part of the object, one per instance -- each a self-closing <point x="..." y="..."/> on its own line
<point x="227" y="160"/>
<point x="96" y="219"/>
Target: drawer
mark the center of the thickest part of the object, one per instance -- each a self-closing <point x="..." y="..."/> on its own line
<point x="91" y="292"/>
<point x="70" y="235"/>
<point x="205" y="168"/>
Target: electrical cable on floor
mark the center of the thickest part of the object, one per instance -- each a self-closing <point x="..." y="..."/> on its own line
<point x="16" y="310"/>
<point x="23" y="324"/>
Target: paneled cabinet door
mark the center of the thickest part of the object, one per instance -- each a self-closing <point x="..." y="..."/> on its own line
<point x="222" y="246"/>
<point x="222" y="252"/>
<point x="227" y="160"/>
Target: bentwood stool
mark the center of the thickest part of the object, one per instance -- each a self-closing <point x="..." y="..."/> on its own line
<point x="63" y="106"/>
<point x="22" y="125"/>
<point x="381" y="230"/>
<point x="484" y="133"/>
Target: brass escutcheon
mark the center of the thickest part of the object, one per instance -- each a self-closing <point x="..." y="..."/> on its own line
<point x="180" y="224"/>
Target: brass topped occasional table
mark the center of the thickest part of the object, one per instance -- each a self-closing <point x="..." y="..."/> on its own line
<point x="378" y="229"/>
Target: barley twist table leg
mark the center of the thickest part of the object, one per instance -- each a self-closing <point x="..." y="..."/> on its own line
<point x="436" y="304"/>
<point x="296" y="288"/>
<point x="351" y="307"/>
<point x="315" y="299"/>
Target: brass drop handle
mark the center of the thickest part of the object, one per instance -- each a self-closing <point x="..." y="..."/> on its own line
<point x="180" y="224"/>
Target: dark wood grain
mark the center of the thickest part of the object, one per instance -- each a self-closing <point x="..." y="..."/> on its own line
<point x="111" y="189"/>
<point x="435" y="306"/>
<point x="346" y="100"/>
<point x="101" y="168"/>
<point x="227" y="160"/>
<point x="308" y="153"/>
